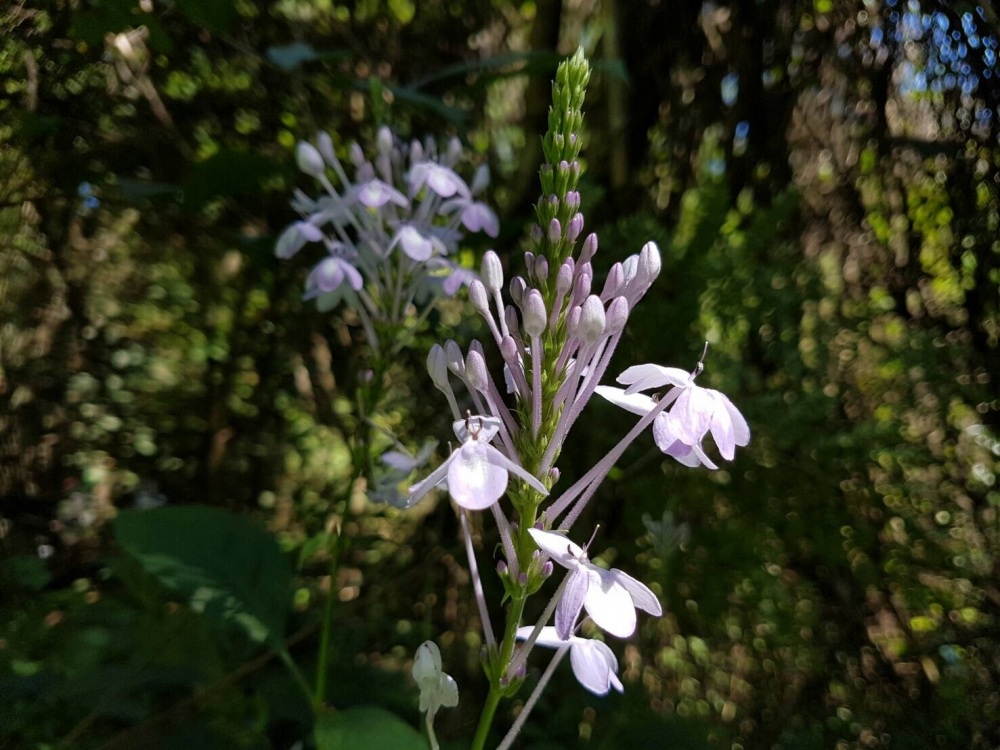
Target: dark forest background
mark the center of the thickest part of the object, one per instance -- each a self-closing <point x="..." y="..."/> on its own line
<point x="823" y="180"/>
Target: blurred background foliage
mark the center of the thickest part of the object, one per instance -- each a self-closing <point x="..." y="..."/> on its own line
<point x="822" y="177"/>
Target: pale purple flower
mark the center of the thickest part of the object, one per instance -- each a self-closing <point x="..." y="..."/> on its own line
<point x="415" y="245"/>
<point x="696" y="412"/>
<point x="442" y="180"/>
<point x="376" y="193"/>
<point x="295" y="237"/>
<point x="475" y="216"/>
<point x="330" y="274"/>
<point x="477" y="473"/>
<point x="594" y="664"/>
<point x="610" y="597"/>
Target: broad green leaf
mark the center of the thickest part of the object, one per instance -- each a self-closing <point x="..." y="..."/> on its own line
<point x="366" y="728"/>
<point x="230" y="569"/>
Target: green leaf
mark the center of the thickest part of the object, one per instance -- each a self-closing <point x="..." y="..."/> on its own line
<point x="366" y="728"/>
<point x="230" y="569"/>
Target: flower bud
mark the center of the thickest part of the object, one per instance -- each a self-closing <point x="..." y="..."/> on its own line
<point x="477" y="296"/>
<point x="383" y="142"/>
<point x="581" y="288"/>
<point x="616" y="316"/>
<point x="574" y="227"/>
<point x="589" y="249"/>
<point x="437" y="366"/>
<point x="573" y="321"/>
<point x="614" y="283"/>
<point x="564" y="278"/>
<point x="517" y="287"/>
<point x="547" y="568"/>
<point x="357" y="155"/>
<point x="325" y="144"/>
<point x="475" y="371"/>
<point x="309" y="159"/>
<point x="631" y="268"/>
<point x="481" y="180"/>
<point x="501" y="567"/>
<point x="453" y="354"/>
<point x="491" y="270"/>
<point x="416" y="152"/>
<point x="534" y="313"/>
<point x="454" y="152"/>
<point x="649" y="262"/>
<point x="529" y="263"/>
<point x="536" y="234"/>
<point x="542" y="268"/>
<point x="555" y="231"/>
<point x="592" y="320"/>
<point x="508" y="350"/>
<point x="572" y="199"/>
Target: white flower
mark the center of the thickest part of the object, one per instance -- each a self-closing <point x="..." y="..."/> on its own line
<point x="696" y="412"/>
<point x="437" y="689"/>
<point x="594" y="664"/>
<point x="609" y="596"/>
<point x="477" y="473"/>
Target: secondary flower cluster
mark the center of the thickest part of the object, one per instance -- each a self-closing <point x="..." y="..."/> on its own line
<point x="390" y="230"/>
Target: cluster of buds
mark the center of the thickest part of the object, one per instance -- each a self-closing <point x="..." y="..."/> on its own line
<point x="391" y="231"/>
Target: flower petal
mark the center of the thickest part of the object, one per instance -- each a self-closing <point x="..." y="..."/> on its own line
<point x="417" y="491"/>
<point x="414" y="244"/>
<point x="484" y="429"/>
<point x="691" y="415"/>
<point x="594" y="665"/>
<point x="642" y="595"/>
<point x="500" y="460"/>
<point x="558" y="547"/>
<point x="608" y="603"/>
<point x="644" y="377"/>
<point x="573" y="597"/>
<point x="741" y="429"/>
<point x="637" y="403"/>
<point x="547" y="636"/>
<point x="474" y="481"/>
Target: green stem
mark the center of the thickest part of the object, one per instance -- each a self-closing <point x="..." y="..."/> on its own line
<point x="322" y="668"/>
<point x="300" y="679"/>
<point x="367" y="399"/>
<point x="525" y="547"/>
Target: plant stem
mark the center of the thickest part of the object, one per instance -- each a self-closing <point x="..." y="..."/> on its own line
<point x="368" y="398"/>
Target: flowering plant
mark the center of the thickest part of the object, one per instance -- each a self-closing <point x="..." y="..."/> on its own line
<point x="391" y="232"/>
<point x="556" y="338"/>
